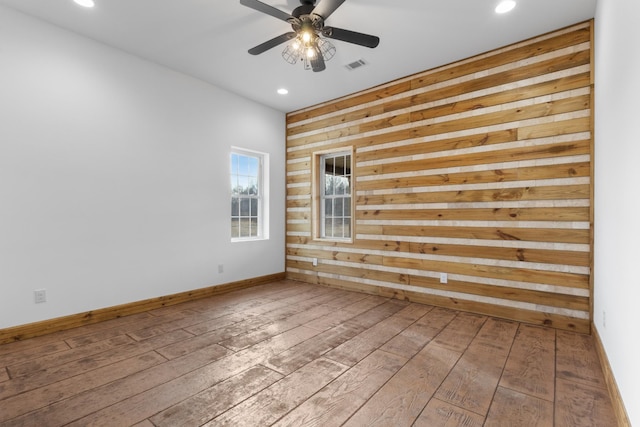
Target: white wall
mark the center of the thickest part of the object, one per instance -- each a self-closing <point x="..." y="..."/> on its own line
<point x="617" y="193"/>
<point x="114" y="176"/>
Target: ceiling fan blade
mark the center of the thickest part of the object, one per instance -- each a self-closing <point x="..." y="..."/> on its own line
<point x="317" y="62"/>
<point x="351" y="37"/>
<point x="326" y="8"/>
<point x="272" y="43"/>
<point x="269" y="10"/>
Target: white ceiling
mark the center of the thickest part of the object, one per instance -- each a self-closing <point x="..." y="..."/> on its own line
<point x="209" y="39"/>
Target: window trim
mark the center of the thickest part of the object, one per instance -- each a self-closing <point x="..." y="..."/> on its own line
<point x="316" y="196"/>
<point x="262" y="197"/>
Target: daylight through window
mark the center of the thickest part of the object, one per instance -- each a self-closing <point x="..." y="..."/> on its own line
<point x="335" y="196"/>
<point x="246" y="195"/>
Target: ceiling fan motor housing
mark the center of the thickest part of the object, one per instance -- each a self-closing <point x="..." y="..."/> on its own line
<point x="303" y="10"/>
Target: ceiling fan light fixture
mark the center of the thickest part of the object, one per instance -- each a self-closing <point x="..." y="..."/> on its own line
<point x="307" y="48"/>
<point x="85" y="3"/>
<point x="311" y="52"/>
<point x="505" y="6"/>
<point x="292" y="53"/>
<point x="326" y="48"/>
<point x="307" y="52"/>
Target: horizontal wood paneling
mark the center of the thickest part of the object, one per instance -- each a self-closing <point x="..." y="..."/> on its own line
<point x="519" y="52"/>
<point x="569" y="170"/>
<point x="480" y="169"/>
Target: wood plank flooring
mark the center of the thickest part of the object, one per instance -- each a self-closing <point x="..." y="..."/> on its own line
<point x="293" y="354"/>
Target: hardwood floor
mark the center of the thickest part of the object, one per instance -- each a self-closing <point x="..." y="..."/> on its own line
<point x="292" y="354"/>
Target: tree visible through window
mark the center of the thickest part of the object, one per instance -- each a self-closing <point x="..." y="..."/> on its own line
<point x="246" y="195"/>
<point x="335" y="196"/>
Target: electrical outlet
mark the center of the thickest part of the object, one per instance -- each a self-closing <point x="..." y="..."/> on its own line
<point x="220" y="268"/>
<point x="40" y="295"/>
<point x="444" y="278"/>
<point x="315" y="262"/>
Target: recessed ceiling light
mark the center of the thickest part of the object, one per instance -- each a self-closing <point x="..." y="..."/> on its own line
<point x="505" y="6"/>
<point x="283" y="91"/>
<point x="85" y="3"/>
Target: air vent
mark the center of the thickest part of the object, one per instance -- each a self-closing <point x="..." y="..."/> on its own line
<point x="356" y="64"/>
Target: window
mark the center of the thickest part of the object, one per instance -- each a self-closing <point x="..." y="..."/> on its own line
<point x="335" y="196"/>
<point x="247" y="195"/>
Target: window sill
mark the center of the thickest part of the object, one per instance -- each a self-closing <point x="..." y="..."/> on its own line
<point x="248" y="239"/>
<point x="333" y="240"/>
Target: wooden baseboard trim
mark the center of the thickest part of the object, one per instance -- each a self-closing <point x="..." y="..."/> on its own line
<point x="612" y="385"/>
<point x="22" y="332"/>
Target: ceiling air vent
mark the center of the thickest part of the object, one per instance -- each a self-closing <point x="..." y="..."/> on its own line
<point x="356" y="64"/>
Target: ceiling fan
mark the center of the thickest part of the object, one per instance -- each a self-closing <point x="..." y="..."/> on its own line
<point x="307" y="22"/>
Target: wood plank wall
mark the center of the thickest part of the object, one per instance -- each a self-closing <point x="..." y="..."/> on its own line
<point x="480" y="169"/>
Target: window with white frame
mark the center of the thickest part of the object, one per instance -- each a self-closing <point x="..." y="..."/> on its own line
<point x="247" y="195"/>
<point x="335" y="212"/>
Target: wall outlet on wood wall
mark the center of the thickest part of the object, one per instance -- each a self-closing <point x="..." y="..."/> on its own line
<point x="444" y="278"/>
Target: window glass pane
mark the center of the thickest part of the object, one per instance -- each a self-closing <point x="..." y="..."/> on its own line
<point x="254" y="227"/>
<point x="253" y="166"/>
<point x="244" y="207"/>
<point x="243" y="168"/>
<point x="234" y="164"/>
<point x="328" y="211"/>
<point x="341" y="184"/>
<point x="339" y="165"/>
<point x="253" y="186"/>
<point x="235" y="189"/>
<point x="347" y="206"/>
<point x="328" y="165"/>
<point x="235" y="206"/>
<point x="337" y="207"/>
<point x="254" y="208"/>
<point x="235" y="227"/>
<point x="243" y="184"/>
<point x="328" y="185"/>
<point x="244" y="227"/>
<point x="337" y="227"/>
<point x="346" y="227"/>
<point x="328" y="227"/>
